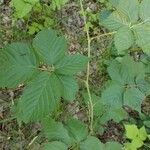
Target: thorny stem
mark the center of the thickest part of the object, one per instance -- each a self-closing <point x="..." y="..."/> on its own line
<point x="102" y="35"/>
<point x="88" y="70"/>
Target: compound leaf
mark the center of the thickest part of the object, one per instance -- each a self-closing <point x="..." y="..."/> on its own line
<point x="55" y="145"/>
<point x="49" y="46"/>
<point x="70" y="65"/>
<point x="17" y="65"/>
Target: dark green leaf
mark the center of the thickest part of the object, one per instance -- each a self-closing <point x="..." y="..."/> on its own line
<point x="112" y="95"/>
<point x="70" y="65"/>
<point x="17" y="64"/>
<point x="40" y="97"/>
<point x="142" y="33"/>
<point x="91" y="143"/>
<point x="112" y="146"/>
<point x="70" y="87"/>
<point x="49" y="46"/>
<point x="113" y="20"/>
<point x="56" y="145"/>
<point x="77" y="130"/>
<point x="55" y="131"/>
<point x="124" y="39"/>
<point x="133" y="97"/>
<point x="130" y="8"/>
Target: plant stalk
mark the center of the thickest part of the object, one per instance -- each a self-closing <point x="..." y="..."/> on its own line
<point x="88" y="70"/>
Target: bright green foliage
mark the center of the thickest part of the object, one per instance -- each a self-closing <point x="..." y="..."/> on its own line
<point x="55" y="146"/>
<point x="57" y="4"/>
<point x="137" y="137"/>
<point x="123" y="88"/>
<point x="44" y="69"/>
<point x="124" y="20"/>
<point x="23" y="7"/>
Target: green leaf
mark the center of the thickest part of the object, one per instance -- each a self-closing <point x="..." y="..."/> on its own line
<point x="142" y="33"/>
<point x="113" y="20"/>
<point x="40" y="97"/>
<point x="56" y="145"/>
<point x="55" y="131"/>
<point x="49" y="46"/>
<point x="127" y="7"/>
<point x="70" y="65"/>
<point x="136" y="143"/>
<point x="23" y="7"/>
<point x="143" y="85"/>
<point x="114" y="71"/>
<point x="112" y="146"/>
<point x="133" y="97"/>
<point x="17" y="65"/>
<point x="142" y="133"/>
<point x="77" y="130"/>
<point x="123" y="39"/>
<point x="70" y="87"/>
<point x="91" y="143"/>
<point x="147" y="123"/>
<point x="131" y="131"/>
<point x="112" y="95"/>
<point x="57" y="4"/>
<point x="117" y="114"/>
<point x="131" y="69"/>
<point x="144" y="10"/>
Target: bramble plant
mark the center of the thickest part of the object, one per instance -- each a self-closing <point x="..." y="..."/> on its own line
<point x="47" y="74"/>
<point x="46" y="71"/>
<point x="130" y="28"/>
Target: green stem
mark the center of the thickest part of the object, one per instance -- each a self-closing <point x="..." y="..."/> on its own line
<point x="102" y="35"/>
<point x="88" y="70"/>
